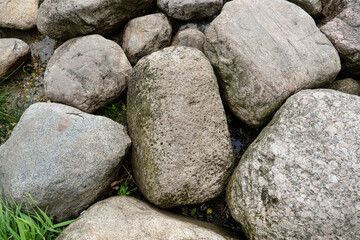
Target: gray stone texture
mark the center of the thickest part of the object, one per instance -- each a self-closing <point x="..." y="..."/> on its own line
<point x="64" y="158"/>
<point x="348" y="85"/>
<point x="18" y="14"/>
<point x="144" y="35"/>
<point x="87" y="73"/>
<point x="264" y="51"/>
<point x="313" y="7"/>
<point x="181" y="151"/>
<point x="190" y="9"/>
<point x="344" y="32"/>
<point x="119" y="218"/>
<point x="300" y="178"/>
<point x="12" y="53"/>
<point x="189" y="37"/>
<point x="67" y="19"/>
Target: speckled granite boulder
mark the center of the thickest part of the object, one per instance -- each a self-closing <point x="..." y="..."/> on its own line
<point x="119" y="218"/>
<point x="300" y="178"/>
<point x="18" y="14"/>
<point x="264" y="51"/>
<point x="144" y="35"/>
<point x="348" y="85"/>
<point x="190" y="9"/>
<point x="13" y="52"/>
<point x="64" y="158"/>
<point x="313" y="7"/>
<point x="68" y="19"/>
<point x="181" y="150"/>
<point x="87" y="73"/>
<point x="344" y="32"/>
<point x="190" y="37"/>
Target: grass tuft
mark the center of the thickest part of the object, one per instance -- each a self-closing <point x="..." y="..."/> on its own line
<point x="20" y="223"/>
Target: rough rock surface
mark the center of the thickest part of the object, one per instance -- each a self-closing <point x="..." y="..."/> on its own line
<point x="63" y="157"/>
<point x="300" y="179"/>
<point x="12" y="53"/>
<point x="68" y="19"/>
<point x="132" y="219"/>
<point x="344" y="32"/>
<point x="264" y="51"/>
<point x="189" y="37"/>
<point x="348" y="85"/>
<point x="18" y="14"/>
<point x="87" y="73"/>
<point x="181" y="145"/>
<point x="190" y="9"/>
<point x="144" y="35"/>
<point x="313" y="7"/>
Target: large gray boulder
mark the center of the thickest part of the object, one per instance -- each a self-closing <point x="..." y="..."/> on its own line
<point x="13" y="52"/>
<point x="300" y="178"/>
<point x="181" y="150"/>
<point x="144" y="35"/>
<point x="87" y="73"/>
<point x="64" y="158"/>
<point x="18" y="14"/>
<point x="190" y="9"/>
<point x="264" y="51"/>
<point x="119" y="218"/>
<point x="313" y="7"/>
<point x="344" y="32"/>
<point x="68" y="19"/>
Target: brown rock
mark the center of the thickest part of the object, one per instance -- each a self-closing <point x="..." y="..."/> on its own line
<point x="119" y="218"/>
<point x="144" y="35"/>
<point x="13" y="52"/>
<point x="182" y="152"/>
<point x="18" y="14"/>
<point x="87" y="73"/>
<point x="189" y="37"/>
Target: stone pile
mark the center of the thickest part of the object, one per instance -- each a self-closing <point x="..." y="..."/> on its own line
<point x="298" y="180"/>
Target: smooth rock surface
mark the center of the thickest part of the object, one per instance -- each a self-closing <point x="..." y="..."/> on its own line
<point x="64" y="158"/>
<point x="313" y="7"/>
<point x="87" y="73"/>
<point x="119" y="218"/>
<point x="144" y="35"/>
<point x="348" y="85"/>
<point x="13" y="52"/>
<point x="344" y="32"/>
<point x="265" y="51"/>
<point x="300" y="178"/>
<point x="18" y="14"/>
<point x="67" y="19"/>
<point x="190" y="9"/>
<point x="189" y="37"/>
<point x="181" y="150"/>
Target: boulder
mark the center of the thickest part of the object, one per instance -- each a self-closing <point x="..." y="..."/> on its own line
<point x="67" y="19"/>
<point x="344" y="32"/>
<point x="300" y="178"/>
<point x="181" y="151"/>
<point x="190" y="9"/>
<point x="189" y="37"/>
<point x="129" y="218"/>
<point x="64" y="158"/>
<point x="13" y="52"/>
<point x="313" y="7"/>
<point x="87" y="73"/>
<point x="144" y="35"/>
<point x="264" y="51"/>
<point x="348" y="85"/>
<point x="18" y="14"/>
